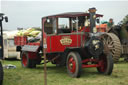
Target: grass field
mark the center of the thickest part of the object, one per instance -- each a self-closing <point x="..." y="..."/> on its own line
<point x="59" y="76"/>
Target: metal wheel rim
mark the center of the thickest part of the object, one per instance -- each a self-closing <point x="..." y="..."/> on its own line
<point x="71" y="65"/>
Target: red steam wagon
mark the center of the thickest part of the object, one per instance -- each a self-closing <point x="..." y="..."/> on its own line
<point x="71" y="40"/>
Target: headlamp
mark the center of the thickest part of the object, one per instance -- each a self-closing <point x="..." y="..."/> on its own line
<point x="94" y="30"/>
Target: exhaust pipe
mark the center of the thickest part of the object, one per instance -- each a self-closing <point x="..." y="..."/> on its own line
<point x="92" y="12"/>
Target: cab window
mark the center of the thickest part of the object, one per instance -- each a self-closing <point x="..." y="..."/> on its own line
<point x="50" y="26"/>
<point x="64" y="25"/>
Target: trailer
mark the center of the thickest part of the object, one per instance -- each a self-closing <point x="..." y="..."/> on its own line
<point x="68" y="39"/>
<point x="2" y="17"/>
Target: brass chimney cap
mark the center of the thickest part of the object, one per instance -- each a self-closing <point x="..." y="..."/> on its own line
<point x="92" y="10"/>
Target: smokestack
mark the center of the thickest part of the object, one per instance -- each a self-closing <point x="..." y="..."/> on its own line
<point x="92" y="12"/>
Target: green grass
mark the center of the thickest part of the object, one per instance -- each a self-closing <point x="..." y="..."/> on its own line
<point x="59" y="76"/>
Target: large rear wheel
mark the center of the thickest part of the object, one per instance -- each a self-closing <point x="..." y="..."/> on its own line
<point x="1" y="74"/>
<point x="106" y="64"/>
<point x="26" y="61"/>
<point x="74" y="65"/>
<point x="113" y="43"/>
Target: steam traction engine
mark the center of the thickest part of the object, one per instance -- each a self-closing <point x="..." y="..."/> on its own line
<point x="116" y="39"/>
<point x="121" y="32"/>
<point x="70" y="39"/>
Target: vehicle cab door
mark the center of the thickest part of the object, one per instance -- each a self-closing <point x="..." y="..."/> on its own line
<point x="49" y="30"/>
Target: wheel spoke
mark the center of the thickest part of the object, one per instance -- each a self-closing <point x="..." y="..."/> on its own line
<point x="109" y="40"/>
<point x="111" y="43"/>
<point x="70" y="60"/>
<point x="74" y="66"/>
<point x="111" y="47"/>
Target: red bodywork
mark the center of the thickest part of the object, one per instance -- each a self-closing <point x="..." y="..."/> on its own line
<point x="54" y="43"/>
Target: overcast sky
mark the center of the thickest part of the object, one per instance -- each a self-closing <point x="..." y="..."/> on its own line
<point x="29" y="13"/>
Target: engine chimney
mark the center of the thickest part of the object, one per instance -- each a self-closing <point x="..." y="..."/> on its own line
<point x="92" y="12"/>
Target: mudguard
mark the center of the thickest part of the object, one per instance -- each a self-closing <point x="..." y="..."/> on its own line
<point x="30" y="48"/>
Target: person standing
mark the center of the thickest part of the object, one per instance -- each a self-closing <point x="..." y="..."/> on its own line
<point x="110" y="24"/>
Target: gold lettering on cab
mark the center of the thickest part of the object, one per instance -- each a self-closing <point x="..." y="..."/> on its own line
<point x="66" y="40"/>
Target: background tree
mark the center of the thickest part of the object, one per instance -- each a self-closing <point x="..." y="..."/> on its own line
<point x="125" y="19"/>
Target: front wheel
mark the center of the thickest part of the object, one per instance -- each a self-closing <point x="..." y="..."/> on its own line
<point x="105" y="64"/>
<point x="74" y="65"/>
<point x="26" y="61"/>
<point x="1" y="74"/>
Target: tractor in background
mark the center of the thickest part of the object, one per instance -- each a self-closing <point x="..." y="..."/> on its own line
<point x="1" y="46"/>
<point x="69" y="39"/>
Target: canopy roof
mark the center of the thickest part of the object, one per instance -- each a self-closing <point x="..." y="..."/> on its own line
<point x="72" y="14"/>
